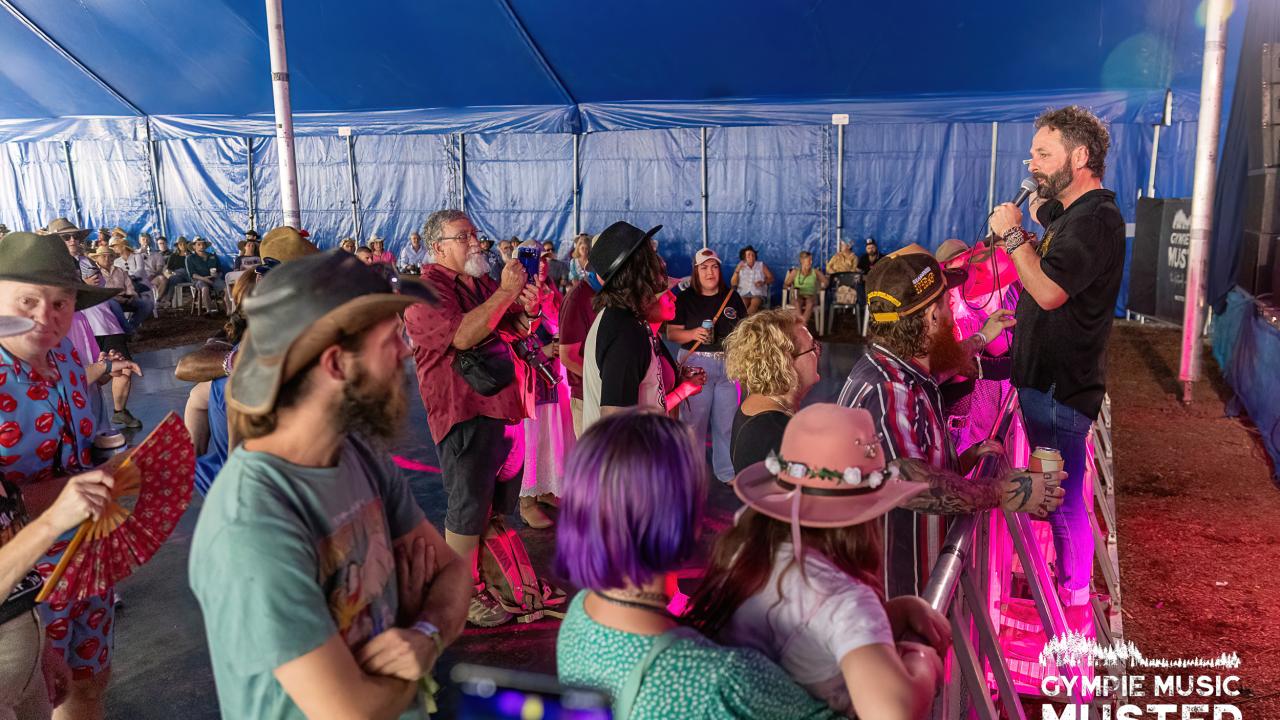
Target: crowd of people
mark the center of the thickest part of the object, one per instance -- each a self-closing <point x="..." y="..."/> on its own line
<point x="579" y="386"/>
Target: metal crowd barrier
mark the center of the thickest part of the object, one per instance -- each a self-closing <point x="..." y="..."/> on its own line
<point x="959" y="584"/>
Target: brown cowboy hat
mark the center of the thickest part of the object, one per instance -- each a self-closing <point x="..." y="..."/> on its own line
<point x="64" y="227"/>
<point x="43" y="260"/>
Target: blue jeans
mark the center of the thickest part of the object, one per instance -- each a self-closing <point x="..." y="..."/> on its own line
<point x="715" y="405"/>
<point x="1049" y="423"/>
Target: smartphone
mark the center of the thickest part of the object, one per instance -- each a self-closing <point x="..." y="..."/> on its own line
<point x="528" y="257"/>
<point x="495" y="694"/>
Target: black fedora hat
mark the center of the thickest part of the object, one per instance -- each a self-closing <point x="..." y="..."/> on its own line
<point x="44" y="260"/>
<point x="611" y="248"/>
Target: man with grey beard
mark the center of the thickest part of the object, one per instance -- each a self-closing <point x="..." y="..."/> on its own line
<point x="478" y="436"/>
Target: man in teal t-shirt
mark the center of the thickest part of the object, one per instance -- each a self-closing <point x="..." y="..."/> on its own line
<point x="324" y="589"/>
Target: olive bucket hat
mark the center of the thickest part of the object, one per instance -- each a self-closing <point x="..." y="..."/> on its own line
<point x="302" y="307"/>
<point x="44" y="260"/>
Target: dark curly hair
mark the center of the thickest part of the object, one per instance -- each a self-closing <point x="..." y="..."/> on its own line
<point x="1080" y="127"/>
<point x="635" y="285"/>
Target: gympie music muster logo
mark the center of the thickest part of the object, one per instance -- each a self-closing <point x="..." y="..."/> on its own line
<point x="1165" y="689"/>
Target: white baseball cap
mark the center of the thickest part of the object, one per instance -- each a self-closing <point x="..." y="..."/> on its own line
<point x="704" y="255"/>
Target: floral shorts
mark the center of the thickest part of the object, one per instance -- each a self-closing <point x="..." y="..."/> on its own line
<point x="82" y="631"/>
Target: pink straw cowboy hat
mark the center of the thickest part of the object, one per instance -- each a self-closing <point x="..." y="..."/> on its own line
<point x="829" y="472"/>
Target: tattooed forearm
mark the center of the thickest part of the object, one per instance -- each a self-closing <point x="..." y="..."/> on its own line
<point x="949" y="493"/>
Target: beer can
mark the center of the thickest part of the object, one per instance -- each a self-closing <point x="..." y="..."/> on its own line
<point x="709" y="327"/>
<point x="1044" y="459"/>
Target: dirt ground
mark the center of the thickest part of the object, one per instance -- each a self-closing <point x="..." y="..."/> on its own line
<point x="175" y="328"/>
<point x="1198" y="512"/>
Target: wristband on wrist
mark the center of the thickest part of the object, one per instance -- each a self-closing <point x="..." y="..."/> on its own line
<point x="430" y="631"/>
<point x="108" y="364"/>
<point x="227" y="362"/>
<point x="1014" y="237"/>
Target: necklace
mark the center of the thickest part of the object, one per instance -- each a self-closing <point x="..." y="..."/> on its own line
<point x="638" y="603"/>
<point x="785" y="408"/>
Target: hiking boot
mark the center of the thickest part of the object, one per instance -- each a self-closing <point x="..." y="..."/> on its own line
<point x="485" y="611"/>
<point x="549" y="500"/>
<point x="532" y="514"/>
<point x="125" y="418"/>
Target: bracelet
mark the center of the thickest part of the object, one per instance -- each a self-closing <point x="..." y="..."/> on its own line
<point x="982" y="340"/>
<point x="108" y="365"/>
<point x="430" y="631"/>
<point x="227" y="362"/>
<point x="1014" y="237"/>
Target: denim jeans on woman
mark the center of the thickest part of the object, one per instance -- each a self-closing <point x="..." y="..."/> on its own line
<point x="1050" y="423"/>
<point x="715" y="406"/>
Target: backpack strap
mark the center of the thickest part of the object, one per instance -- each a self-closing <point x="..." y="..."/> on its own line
<point x="626" y="700"/>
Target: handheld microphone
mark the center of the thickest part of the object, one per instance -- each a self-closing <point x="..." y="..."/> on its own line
<point x="1028" y="186"/>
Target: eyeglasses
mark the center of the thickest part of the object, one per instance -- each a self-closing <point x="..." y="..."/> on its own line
<point x="471" y="237"/>
<point x="816" y="350"/>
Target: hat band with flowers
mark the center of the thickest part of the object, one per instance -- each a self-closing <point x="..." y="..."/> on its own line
<point x="849" y="481"/>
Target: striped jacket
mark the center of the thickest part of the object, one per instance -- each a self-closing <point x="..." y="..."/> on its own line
<point x="906" y="407"/>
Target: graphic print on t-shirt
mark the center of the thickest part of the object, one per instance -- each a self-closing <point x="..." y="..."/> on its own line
<point x="357" y="569"/>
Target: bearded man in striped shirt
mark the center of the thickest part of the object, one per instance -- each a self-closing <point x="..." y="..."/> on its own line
<point x="912" y="348"/>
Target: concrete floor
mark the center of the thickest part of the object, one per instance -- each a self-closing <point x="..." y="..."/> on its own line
<point x="161" y="667"/>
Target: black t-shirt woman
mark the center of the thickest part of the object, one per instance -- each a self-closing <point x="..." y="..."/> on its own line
<point x="708" y="302"/>
<point x="625" y="363"/>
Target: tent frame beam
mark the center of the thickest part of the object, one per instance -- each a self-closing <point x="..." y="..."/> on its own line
<point x="538" y="55"/>
<point x="58" y="48"/>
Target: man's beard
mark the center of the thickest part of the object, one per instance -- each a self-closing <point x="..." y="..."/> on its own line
<point x="373" y="411"/>
<point x="944" y="351"/>
<point x="1052" y="185"/>
<point x="477" y="265"/>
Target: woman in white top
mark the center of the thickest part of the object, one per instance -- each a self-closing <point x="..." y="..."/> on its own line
<point x="822" y="616"/>
<point x="752" y="278"/>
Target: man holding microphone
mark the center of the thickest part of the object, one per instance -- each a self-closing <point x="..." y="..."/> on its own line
<point x="1071" y="278"/>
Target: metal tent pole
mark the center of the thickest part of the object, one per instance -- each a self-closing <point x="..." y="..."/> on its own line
<point x="840" y="181"/>
<point x="253" y="190"/>
<point x="1165" y="119"/>
<point x="151" y="175"/>
<point x="577" y="188"/>
<point x="156" y="172"/>
<point x="284" y="115"/>
<point x="1215" y="32"/>
<point x="71" y="175"/>
<point x="704" y="187"/>
<point x="991" y="178"/>
<point x="462" y="172"/>
<point x="355" y="185"/>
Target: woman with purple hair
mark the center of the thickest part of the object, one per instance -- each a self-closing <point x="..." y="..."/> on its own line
<point x="634" y="492"/>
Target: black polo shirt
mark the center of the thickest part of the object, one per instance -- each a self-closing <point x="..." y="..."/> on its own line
<point x="1083" y="252"/>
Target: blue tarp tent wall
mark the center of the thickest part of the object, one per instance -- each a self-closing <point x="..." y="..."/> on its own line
<point x="163" y="107"/>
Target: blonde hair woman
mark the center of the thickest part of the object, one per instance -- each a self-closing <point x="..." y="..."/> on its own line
<point x="775" y="358"/>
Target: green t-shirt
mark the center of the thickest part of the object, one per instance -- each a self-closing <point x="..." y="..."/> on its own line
<point x="692" y="678"/>
<point x="285" y="556"/>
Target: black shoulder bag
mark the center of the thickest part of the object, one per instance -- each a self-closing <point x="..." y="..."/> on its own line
<point x="488" y="366"/>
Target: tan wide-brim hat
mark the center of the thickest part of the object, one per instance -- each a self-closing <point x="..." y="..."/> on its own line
<point x="64" y="227"/>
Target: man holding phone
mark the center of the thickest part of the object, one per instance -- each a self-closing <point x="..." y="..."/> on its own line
<point x="480" y="438"/>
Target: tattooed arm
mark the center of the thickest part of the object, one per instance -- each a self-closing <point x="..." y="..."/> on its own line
<point x="950" y="493"/>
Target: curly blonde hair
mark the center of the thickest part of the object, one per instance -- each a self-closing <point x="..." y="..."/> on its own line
<point x="760" y="352"/>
